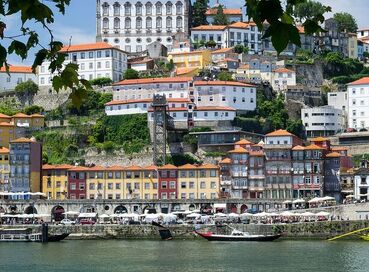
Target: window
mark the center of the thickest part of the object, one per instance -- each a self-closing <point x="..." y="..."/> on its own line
<point x="202" y="185"/>
<point x="179" y="22"/>
<point x="116" y="9"/>
<point x="158" y="7"/>
<point x="139" y="23"/>
<point x="179" y="8"/>
<point x="116" y="23"/>
<point x="148" y="22"/>
<point x="169" y="22"/>
<point x="127" y="9"/>
<point x="107" y="64"/>
<point x="117" y="186"/>
<point x="127" y="23"/>
<point x="105" y="23"/>
<point x="168" y="8"/>
<point x="148" y="8"/>
<point x="138" y="8"/>
<point x="164" y="185"/>
<point x="172" y="185"/>
<point x="191" y="185"/>
<point x="158" y="22"/>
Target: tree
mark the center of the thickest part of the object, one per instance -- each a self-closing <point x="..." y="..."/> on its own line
<point x="198" y="15"/>
<point x="239" y="49"/>
<point x="33" y="109"/>
<point x="102" y="81"/>
<point x="131" y="74"/>
<point x="225" y="76"/>
<point x="211" y="44"/>
<point x="220" y="18"/>
<point x="275" y="17"/>
<point x="308" y="10"/>
<point x="346" y="22"/>
<point x="38" y="12"/>
<point x="26" y="90"/>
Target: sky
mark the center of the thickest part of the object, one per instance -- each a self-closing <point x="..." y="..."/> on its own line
<point x="79" y="22"/>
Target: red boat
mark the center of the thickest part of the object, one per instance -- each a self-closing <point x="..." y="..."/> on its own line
<point x="237" y="236"/>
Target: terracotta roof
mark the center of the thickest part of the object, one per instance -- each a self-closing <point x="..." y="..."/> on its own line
<point x="188" y="166"/>
<point x="116" y="168"/>
<point x="150" y="167"/>
<point x="141" y="61"/>
<point x="213" y="108"/>
<point x="168" y="166"/>
<point x="185" y="70"/>
<point x="298" y="147"/>
<point x="244" y="66"/>
<point x="5" y="124"/>
<point x="56" y="167"/>
<point x="189" y="53"/>
<point x="170" y="109"/>
<point x="222" y="50"/>
<point x="319" y="139"/>
<point x="221" y="83"/>
<point x="153" y="80"/>
<point x="229" y="59"/>
<point x="22" y="140"/>
<point x="87" y="47"/>
<point x="256" y="153"/>
<point x="338" y="148"/>
<point x="4" y="150"/>
<point x="17" y="69"/>
<point x="21" y="115"/>
<point x="226" y="161"/>
<point x="148" y="100"/>
<point x="79" y="168"/>
<point x="208" y="166"/>
<point x="5" y="116"/>
<point x="97" y="168"/>
<point x="36" y="115"/>
<point x="333" y="155"/>
<point x="244" y="142"/>
<point x="362" y="81"/>
<point x="240" y="25"/>
<point x="313" y="147"/>
<point x="279" y="132"/>
<point x="210" y="27"/>
<point x="133" y="168"/>
<point x="213" y="11"/>
<point x="283" y="70"/>
<point x="238" y="150"/>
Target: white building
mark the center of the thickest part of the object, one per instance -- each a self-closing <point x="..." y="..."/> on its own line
<point x="132" y="25"/>
<point x="338" y="100"/>
<point x="237" y="95"/>
<point x="246" y="34"/>
<point x="322" y="121"/>
<point x="362" y="33"/>
<point x="94" y="60"/>
<point x="358" y="103"/>
<point x="233" y="15"/>
<point x="283" y="77"/>
<point x="17" y="74"/>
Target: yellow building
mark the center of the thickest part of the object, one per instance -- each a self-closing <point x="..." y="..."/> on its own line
<point x="55" y="181"/>
<point x="133" y="182"/>
<point x="7" y="133"/>
<point x="5" y="118"/>
<point x="37" y="121"/>
<point x="34" y="121"/>
<point x="96" y="183"/>
<point x="114" y="182"/>
<point x="194" y="59"/>
<point x="198" y="182"/>
<point x="150" y="182"/>
<point x="4" y="169"/>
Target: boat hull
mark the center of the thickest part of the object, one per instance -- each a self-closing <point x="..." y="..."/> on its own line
<point x="230" y="238"/>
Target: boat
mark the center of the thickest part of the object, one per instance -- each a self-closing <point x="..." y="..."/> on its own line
<point x="27" y="235"/>
<point x="164" y="232"/>
<point x="237" y="236"/>
<point x="57" y="237"/>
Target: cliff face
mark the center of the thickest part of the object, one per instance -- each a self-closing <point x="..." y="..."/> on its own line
<point x="310" y="75"/>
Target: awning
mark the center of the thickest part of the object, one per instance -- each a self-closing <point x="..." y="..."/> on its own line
<point x="220" y="205"/>
<point x="88" y="215"/>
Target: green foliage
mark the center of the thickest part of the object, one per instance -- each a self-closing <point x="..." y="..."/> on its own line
<point x="102" y="81"/>
<point x="348" y="79"/>
<point x="248" y="124"/>
<point x="281" y="23"/>
<point x="220" y="18"/>
<point x="181" y="159"/>
<point x="33" y="109"/>
<point x="239" y="49"/>
<point x="56" y="114"/>
<point x="304" y="56"/>
<point x="131" y="74"/>
<point x="366" y="54"/>
<point x="308" y="9"/>
<point x="170" y="65"/>
<point x="130" y="132"/>
<point x="215" y="154"/>
<point x="225" y="76"/>
<point x="198" y="12"/>
<point x="358" y="158"/>
<point x="27" y="88"/>
<point x="338" y="65"/>
<point x="346" y="22"/>
<point x="211" y="44"/>
<point x="9" y="107"/>
<point x="94" y="102"/>
<point x="295" y="127"/>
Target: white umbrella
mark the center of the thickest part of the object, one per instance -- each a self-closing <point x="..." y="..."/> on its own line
<point x="89" y="215"/>
<point x="233" y="215"/>
<point x="287" y="213"/>
<point x="195" y="211"/>
<point x="328" y="198"/>
<point x="152" y="216"/>
<point x="187" y="212"/>
<point x="287" y="202"/>
<point x="193" y="215"/>
<point x="297" y="201"/>
<point x="220" y="215"/>
<point x="273" y="214"/>
<point x="104" y="216"/>
<point x="24" y="216"/>
<point x="308" y="214"/>
<point x="324" y="214"/>
<point x="42" y="215"/>
<point x="246" y="214"/>
<point x="70" y="213"/>
<point x="262" y="214"/>
<point x="315" y="200"/>
<point x="350" y="196"/>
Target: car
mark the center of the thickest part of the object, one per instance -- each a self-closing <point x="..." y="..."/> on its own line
<point x="87" y="222"/>
<point x="67" y="222"/>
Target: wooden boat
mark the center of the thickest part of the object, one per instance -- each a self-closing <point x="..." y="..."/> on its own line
<point x="26" y="235"/>
<point x="57" y="237"/>
<point x="164" y="232"/>
<point x="237" y="236"/>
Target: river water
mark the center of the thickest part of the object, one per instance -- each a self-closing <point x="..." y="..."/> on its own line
<point x="185" y="256"/>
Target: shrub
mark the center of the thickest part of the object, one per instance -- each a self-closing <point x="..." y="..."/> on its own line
<point x="102" y="81"/>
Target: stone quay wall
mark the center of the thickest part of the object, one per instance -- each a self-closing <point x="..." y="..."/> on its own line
<point x="312" y="230"/>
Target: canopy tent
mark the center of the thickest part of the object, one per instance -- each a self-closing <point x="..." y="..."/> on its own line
<point x="315" y="200"/>
<point x="220" y="205"/>
<point x="246" y="214"/>
<point x="21" y="194"/>
<point x="298" y="201"/>
<point x="328" y="198"/>
<point x="193" y="215"/>
<point x="87" y="215"/>
<point x="324" y="214"/>
<point x="287" y="202"/>
<point x="308" y="214"/>
<point x="70" y="213"/>
<point x="234" y="215"/>
<point x="273" y="214"/>
<point x="262" y="214"/>
<point x="220" y="215"/>
<point x="350" y="196"/>
<point x="287" y="213"/>
<point x="104" y="216"/>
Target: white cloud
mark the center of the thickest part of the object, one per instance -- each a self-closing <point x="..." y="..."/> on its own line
<point x="76" y="35"/>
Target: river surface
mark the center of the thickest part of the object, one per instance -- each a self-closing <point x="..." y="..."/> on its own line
<point x="185" y="256"/>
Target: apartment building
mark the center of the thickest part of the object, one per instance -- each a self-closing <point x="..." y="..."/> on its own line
<point x="194" y="59"/>
<point x="77" y="182"/>
<point x="282" y="78"/>
<point x="94" y="60"/>
<point x="4" y="169"/>
<point x="55" y="181"/>
<point x="358" y="103"/>
<point x="15" y="75"/>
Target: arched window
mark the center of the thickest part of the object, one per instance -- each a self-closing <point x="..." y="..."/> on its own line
<point x="159" y="22"/>
<point x="179" y="6"/>
<point x="168" y="7"/>
<point x="116" y="9"/>
<point x="169" y="22"/>
<point x="139" y="23"/>
<point x="148" y="22"/>
<point x="127" y="9"/>
<point x="158" y="7"/>
<point x="148" y="8"/>
<point x="105" y="7"/>
<point x="105" y="23"/>
<point x="116" y="23"/>
<point x="179" y="22"/>
<point x="127" y="23"/>
<point x="139" y="8"/>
